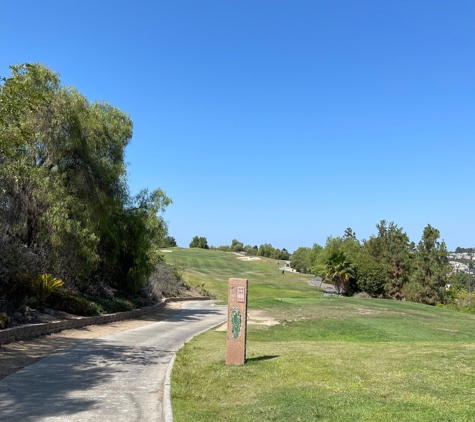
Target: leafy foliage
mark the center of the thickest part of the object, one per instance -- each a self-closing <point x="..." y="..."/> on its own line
<point x="268" y="251"/>
<point x="45" y="284"/>
<point x="237" y="246"/>
<point x="72" y="304"/>
<point x="432" y="266"/>
<point x="458" y="249"/>
<point x="199" y="242"/>
<point x="371" y="277"/>
<point x="65" y="207"/>
<point x="168" y="242"/>
<point x="301" y="260"/>
<point x="392" y="249"/>
<point x="340" y="271"/>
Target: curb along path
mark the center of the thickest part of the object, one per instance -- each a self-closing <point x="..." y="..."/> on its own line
<point x="117" y="378"/>
<point x="25" y="332"/>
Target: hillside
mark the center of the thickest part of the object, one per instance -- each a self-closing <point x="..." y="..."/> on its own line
<point x="214" y="268"/>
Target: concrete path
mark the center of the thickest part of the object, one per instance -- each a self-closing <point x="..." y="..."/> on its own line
<point x="116" y="378"/>
<point x="329" y="290"/>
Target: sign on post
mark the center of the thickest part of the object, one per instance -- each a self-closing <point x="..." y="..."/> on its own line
<point x="237" y="322"/>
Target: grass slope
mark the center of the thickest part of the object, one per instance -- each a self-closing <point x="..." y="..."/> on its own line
<point x="215" y="268"/>
<point x="332" y="359"/>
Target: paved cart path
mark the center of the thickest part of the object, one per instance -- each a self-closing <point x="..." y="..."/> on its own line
<point x="329" y="290"/>
<point x="117" y="378"/>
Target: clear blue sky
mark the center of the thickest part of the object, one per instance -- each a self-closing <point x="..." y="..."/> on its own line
<point x="277" y="122"/>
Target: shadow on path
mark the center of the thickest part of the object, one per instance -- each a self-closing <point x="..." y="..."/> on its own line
<point x="53" y="382"/>
<point x="115" y="378"/>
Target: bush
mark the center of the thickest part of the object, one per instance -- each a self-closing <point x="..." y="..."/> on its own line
<point x="45" y="284"/>
<point x="168" y="242"/>
<point x="371" y="277"/>
<point x="415" y="292"/>
<point x="165" y="281"/>
<point x="111" y="306"/>
<point x="199" y="242"/>
<point x="4" y="320"/>
<point x="467" y="309"/>
<point x="72" y="304"/>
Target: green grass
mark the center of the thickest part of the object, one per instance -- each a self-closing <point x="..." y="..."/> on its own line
<point x="215" y="268"/>
<point x="333" y="359"/>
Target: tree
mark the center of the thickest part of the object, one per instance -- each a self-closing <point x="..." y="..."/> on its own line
<point x="432" y="265"/>
<point x="64" y="195"/>
<point x="250" y="251"/>
<point x="349" y="234"/>
<point x="319" y="270"/>
<point x="199" y="242"/>
<point x="169" y="242"/>
<point x="371" y="276"/>
<point x="458" y="249"/>
<point x="340" y="271"/>
<point x="283" y="254"/>
<point x="392" y="248"/>
<point x="236" y="246"/>
<point x="265" y="250"/>
<point x="301" y="259"/>
<point x="142" y="231"/>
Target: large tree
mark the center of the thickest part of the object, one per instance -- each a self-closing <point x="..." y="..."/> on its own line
<point x="431" y="267"/>
<point x="392" y="248"/>
<point x="64" y="193"/>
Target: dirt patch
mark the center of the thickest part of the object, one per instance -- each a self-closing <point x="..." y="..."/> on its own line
<point x="15" y="356"/>
<point x="254" y="317"/>
<point x="248" y="258"/>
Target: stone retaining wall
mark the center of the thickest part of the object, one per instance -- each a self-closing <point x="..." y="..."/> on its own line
<point x="24" y="332"/>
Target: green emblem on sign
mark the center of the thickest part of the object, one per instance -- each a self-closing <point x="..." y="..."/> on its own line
<point x="236" y="322"/>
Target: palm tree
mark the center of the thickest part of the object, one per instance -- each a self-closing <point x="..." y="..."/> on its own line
<point x="340" y="271"/>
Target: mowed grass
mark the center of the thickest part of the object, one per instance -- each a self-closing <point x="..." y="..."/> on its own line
<point x="215" y="268"/>
<point x="333" y="359"/>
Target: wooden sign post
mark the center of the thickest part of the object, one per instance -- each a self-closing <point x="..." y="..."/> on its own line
<point x="237" y="322"/>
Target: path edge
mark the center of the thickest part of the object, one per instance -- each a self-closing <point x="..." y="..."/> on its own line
<point x="167" y="409"/>
<point x="29" y="331"/>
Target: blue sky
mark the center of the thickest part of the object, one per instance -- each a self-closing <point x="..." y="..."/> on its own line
<point x="277" y="122"/>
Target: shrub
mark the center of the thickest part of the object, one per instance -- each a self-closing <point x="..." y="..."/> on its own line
<point x="200" y="288"/>
<point x="4" y="320"/>
<point x="371" y="277"/>
<point x="416" y="292"/>
<point x="110" y="306"/>
<point x="166" y="280"/>
<point x="45" y="284"/>
<point x="199" y="242"/>
<point x="72" y="304"/>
